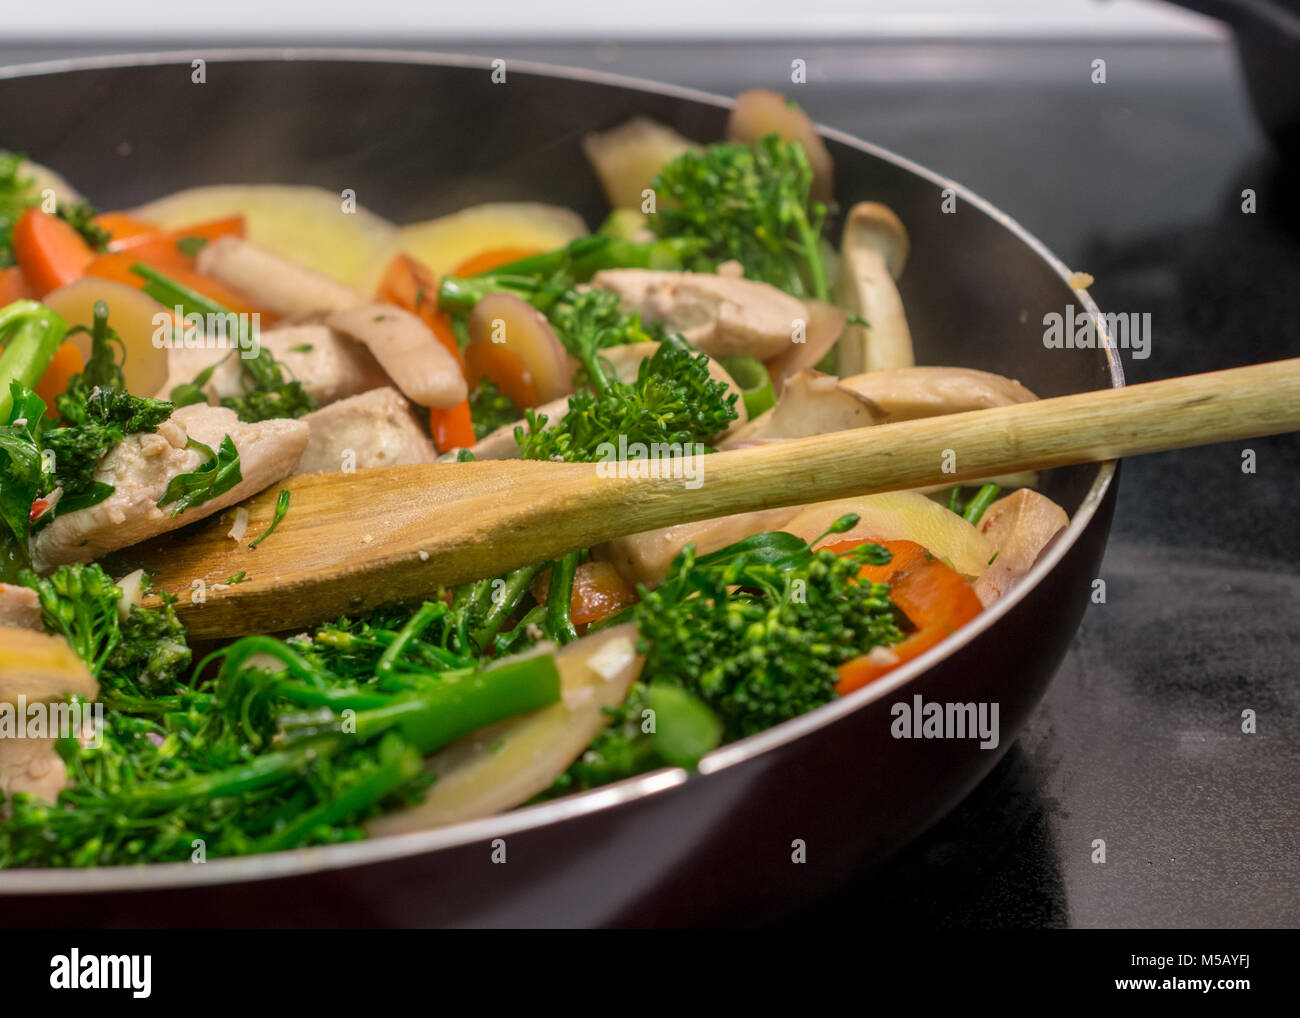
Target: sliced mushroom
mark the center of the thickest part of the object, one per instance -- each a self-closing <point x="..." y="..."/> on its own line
<point x="407" y="350"/>
<point x="823" y="327"/>
<point x="905" y="394"/>
<point x="810" y="404"/>
<point x="509" y="762"/>
<point x="761" y="112"/>
<point x="272" y="281"/>
<point x="1018" y="527"/>
<point x="724" y="316"/>
<point x="626" y="158"/>
<point x="874" y="251"/>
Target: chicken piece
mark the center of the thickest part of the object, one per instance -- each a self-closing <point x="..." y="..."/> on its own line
<point x="645" y="557"/>
<point x="20" y="607"/>
<point x="329" y="366"/>
<point x="724" y="316"/>
<point x="272" y="281"/>
<point x="140" y="467"/>
<point x="905" y="394"/>
<point x="408" y="350"/>
<point x="33" y="766"/>
<point x="376" y="426"/>
<point x="39" y="669"/>
<point x="1019" y="527"/>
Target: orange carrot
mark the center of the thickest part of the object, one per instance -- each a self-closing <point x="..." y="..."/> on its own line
<point x="454" y="428"/>
<point x="13" y="286"/>
<point x="116" y="265"/>
<point x="122" y="227"/>
<point x="51" y="253"/>
<point x="486" y="261"/>
<point x="66" y="363"/>
<point x="166" y="243"/>
<point x="937" y="600"/>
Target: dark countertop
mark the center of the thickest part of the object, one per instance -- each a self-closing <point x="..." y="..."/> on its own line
<point x="1138" y="742"/>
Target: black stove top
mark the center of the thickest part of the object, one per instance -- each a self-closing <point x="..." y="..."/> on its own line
<point x="1138" y="181"/>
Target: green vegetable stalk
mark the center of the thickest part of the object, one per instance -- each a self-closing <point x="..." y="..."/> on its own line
<point x="30" y="333"/>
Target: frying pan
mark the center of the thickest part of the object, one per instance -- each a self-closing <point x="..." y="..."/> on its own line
<point x="418" y="135"/>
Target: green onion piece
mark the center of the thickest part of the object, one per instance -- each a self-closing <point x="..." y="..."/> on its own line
<point x="982" y="500"/>
<point x="755" y="384"/>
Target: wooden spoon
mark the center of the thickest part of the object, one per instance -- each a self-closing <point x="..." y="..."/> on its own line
<point x="351" y="542"/>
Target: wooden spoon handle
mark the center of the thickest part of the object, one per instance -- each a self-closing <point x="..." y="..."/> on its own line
<point x="352" y="542"/>
<point x="1088" y="427"/>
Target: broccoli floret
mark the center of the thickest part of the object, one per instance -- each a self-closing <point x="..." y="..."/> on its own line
<point x="767" y="652"/>
<point x="748" y="204"/>
<point x="673" y="401"/>
<point x="490" y="408"/>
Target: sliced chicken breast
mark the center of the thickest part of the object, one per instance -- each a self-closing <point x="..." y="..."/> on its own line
<point x="376" y="428"/>
<point x="140" y="468"/>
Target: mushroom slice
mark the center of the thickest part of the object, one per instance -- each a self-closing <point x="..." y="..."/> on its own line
<point x="904" y="394"/>
<point x="1018" y="527"/>
<point x="626" y="158"/>
<point x="723" y="316"/>
<point x="272" y="281"/>
<point x="811" y="403"/>
<point x="761" y="112"/>
<point x="824" y="326"/>
<point x="508" y="763"/>
<point x="405" y="348"/>
<point x="874" y="250"/>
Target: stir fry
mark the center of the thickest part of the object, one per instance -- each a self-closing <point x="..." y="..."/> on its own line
<point x="159" y="366"/>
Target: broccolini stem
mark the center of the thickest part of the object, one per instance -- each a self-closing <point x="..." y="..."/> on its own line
<point x="984" y="498"/>
<point x="559" y="623"/>
<point x="419" y="622"/>
<point x="399" y="763"/>
<point x="503" y="603"/>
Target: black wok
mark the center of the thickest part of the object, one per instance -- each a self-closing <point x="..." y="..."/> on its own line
<point x="417" y="136"/>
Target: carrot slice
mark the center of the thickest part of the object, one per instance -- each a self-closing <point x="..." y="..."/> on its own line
<point x="486" y="261"/>
<point x="122" y="227"/>
<point x="936" y="599"/>
<point x="51" y="253"/>
<point x="454" y="428"/>
<point x="13" y="286"/>
<point x="165" y="243"/>
<point x="66" y="363"/>
<point x="116" y="265"/>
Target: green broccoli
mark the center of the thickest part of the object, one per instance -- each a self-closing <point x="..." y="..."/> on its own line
<point x="750" y="204"/>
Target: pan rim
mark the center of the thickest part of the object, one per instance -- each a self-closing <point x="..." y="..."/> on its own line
<point x="305" y="861"/>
